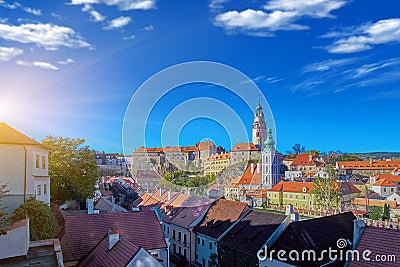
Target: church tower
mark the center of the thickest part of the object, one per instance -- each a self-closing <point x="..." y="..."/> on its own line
<point x="259" y="128"/>
<point x="269" y="161"/>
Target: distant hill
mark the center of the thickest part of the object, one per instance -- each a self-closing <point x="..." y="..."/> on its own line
<point x="378" y="155"/>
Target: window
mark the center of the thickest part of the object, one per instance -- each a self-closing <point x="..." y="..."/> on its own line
<point x="45" y="189"/>
<point x="202" y="242"/>
<point x="184" y="238"/>
<point x="43" y="162"/>
<point x="173" y="234"/>
<point x="210" y="246"/>
<point x="39" y="189"/>
<point x="37" y="161"/>
<point x="174" y="248"/>
<point x="384" y="189"/>
<point x="198" y="240"/>
<point x="179" y="236"/>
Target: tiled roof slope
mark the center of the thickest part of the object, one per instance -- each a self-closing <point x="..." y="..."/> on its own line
<point x="304" y="160"/>
<point x="294" y="187"/>
<point x="83" y="232"/>
<point x="222" y="214"/>
<point x="366" y="164"/>
<point x="249" y="178"/>
<point x="244" y="147"/>
<point x="120" y="255"/>
<point x="316" y="234"/>
<point x="252" y="232"/>
<point x="380" y="241"/>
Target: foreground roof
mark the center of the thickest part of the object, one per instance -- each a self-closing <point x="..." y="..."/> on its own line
<point x="11" y="136"/>
<point x="251" y="177"/>
<point x="252" y="232"/>
<point x="221" y="215"/>
<point x="83" y="232"/>
<point x="380" y="241"/>
<point x="316" y="234"/>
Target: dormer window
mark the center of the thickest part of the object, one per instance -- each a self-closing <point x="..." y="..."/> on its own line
<point x="304" y="189"/>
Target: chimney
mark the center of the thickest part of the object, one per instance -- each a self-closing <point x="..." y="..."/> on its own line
<point x="294" y="217"/>
<point x="310" y="157"/>
<point x="258" y="167"/>
<point x="252" y="167"/>
<point x="169" y="195"/>
<point x="358" y="229"/>
<point x="289" y="209"/>
<point x="113" y="238"/>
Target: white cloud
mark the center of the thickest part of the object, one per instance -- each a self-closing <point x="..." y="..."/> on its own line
<point x="277" y="15"/>
<point x="118" y="23"/>
<point x="366" y="36"/>
<point x="95" y="15"/>
<point x="121" y="4"/>
<point x="39" y="64"/>
<point x="33" y="11"/>
<point x="328" y="64"/>
<point x="367" y="69"/>
<point x="216" y="5"/>
<point x="131" y="37"/>
<point x="148" y="28"/>
<point x="48" y="36"/>
<point x="66" y="62"/>
<point x="8" y="53"/>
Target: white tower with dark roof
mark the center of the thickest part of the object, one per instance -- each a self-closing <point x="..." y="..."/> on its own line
<point x="259" y="128"/>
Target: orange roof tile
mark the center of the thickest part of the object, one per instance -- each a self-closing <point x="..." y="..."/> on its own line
<point x="307" y="159"/>
<point x="384" y="182"/>
<point x="374" y="202"/>
<point x="366" y="164"/>
<point x="294" y="187"/>
<point x="205" y="145"/>
<point x="233" y="183"/>
<point x="389" y="176"/>
<point x="248" y="177"/>
<point x="219" y="156"/>
<point x="244" y="147"/>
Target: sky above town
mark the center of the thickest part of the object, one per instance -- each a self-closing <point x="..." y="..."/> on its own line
<point x="329" y="70"/>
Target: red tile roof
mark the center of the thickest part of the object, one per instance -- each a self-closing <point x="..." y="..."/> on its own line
<point x="244" y="147"/>
<point x="219" y="156"/>
<point x="379" y="241"/>
<point x="370" y="165"/>
<point x="373" y="202"/>
<point x="384" y="182"/>
<point x="307" y="159"/>
<point x="221" y="215"/>
<point x="389" y="176"/>
<point x="254" y="178"/>
<point x="83" y="232"/>
<point x="294" y="187"/>
<point x="120" y="255"/>
<point x="205" y="145"/>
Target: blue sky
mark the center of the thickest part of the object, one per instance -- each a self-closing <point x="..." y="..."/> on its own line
<point x="330" y="70"/>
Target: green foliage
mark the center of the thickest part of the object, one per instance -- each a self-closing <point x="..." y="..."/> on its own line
<point x="180" y="178"/>
<point x="327" y="191"/>
<point x="386" y="212"/>
<point x="41" y="220"/>
<point x="72" y="168"/>
<point x="3" y="192"/>
<point x="375" y="213"/>
<point x="332" y="159"/>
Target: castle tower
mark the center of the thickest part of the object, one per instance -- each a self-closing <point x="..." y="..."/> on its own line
<point x="259" y="128"/>
<point x="269" y="161"/>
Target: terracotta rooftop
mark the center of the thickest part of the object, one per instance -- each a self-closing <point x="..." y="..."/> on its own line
<point x="251" y="176"/>
<point x="149" y="150"/>
<point x="219" y="156"/>
<point x="294" y="187"/>
<point x="380" y="241"/>
<point x="384" y="182"/>
<point x="11" y="136"/>
<point x="252" y="232"/>
<point x="373" y="202"/>
<point x="348" y="188"/>
<point x="205" y="145"/>
<point x="186" y="216"/>
<point x="369" y="165"/>
<point x="120" y="255"/>
<point x="307" y="159"/>
<point x="244" y="147"/>
<point x="389" y="176"/>
<point x="221" y="215"/>
<point x="234" y="183"/>
<point x="83" y="232"/>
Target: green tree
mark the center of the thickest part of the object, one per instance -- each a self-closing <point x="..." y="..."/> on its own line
<point x="72" y="168"/>
<point x="298" y="149"/>
<point x="327" y="192"/>
<point x="3" y="192"/>
<point x="41" y="220"/>
<point x="375" y="212"/>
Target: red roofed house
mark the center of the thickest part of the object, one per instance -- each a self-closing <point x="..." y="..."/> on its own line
<point x="383" y="187"/>
<point x="84" y="232"/>
<point x="23" y="167"/>
<point x="250" y="183"/>
<point x="242" y="152"/>
<point x="307" y="163"/>
<point x="367" y="167"/>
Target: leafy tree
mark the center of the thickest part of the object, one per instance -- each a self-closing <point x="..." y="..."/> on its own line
<point x="327" y="191"/>
<point x="72" y="168"/>
<point x="375" y="213"/>
<point x="41" y="220"/>
<point x="317" y="153"/>
<point x="298" y="149"/>
<point x="3" y="192"/>
<point x="386" y="212"/>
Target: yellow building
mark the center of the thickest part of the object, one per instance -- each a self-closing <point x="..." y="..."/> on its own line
<point x="216" y="163"/>
<point x="231" y="190"/>
<point x="297" y="194"/>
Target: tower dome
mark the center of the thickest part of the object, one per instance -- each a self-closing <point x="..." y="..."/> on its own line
<point x="269" y="144"/>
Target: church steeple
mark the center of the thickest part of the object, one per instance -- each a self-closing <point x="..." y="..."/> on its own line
<point x="259" y="127"/>
<point x="269" y="144"/>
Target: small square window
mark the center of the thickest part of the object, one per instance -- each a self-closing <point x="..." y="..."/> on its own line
<point x="39" y="189"/>
<point x="45" y="189"/>
<point x="37" y="161"/>
<point x="43" y="162"/>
